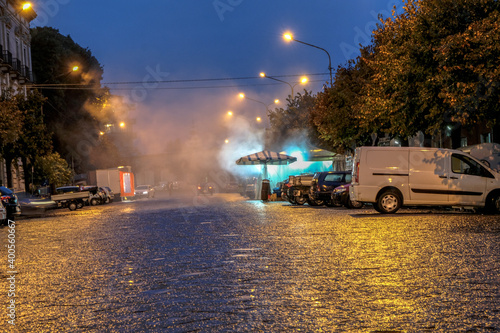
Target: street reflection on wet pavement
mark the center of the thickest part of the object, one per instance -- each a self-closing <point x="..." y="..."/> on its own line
<point x="214" y="264"/>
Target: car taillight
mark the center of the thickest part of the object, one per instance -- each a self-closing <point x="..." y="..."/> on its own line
<point x="5" y="198"/>
<point x="356" y="178"/>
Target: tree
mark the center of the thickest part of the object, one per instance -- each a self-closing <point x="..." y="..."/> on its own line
<point x="55" y="170"/>
<point x="335" y="114"/>
<point x="292" y="122"/>
<point x="435" y="63"/>
<point x="10" y="130"/>
<point x="10" y="120"/>
<point x="31" y="137"/>
<point x="66" y="113"/>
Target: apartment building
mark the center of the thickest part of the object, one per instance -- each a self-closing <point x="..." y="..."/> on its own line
<point x="15" y="62"/>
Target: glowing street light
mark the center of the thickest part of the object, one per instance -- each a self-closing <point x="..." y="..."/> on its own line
<point x="259" y="119"/>
<point x="303" y="80"/>
<point x="26" y="6"/>
<point x="289" y="37"/>
<point x="122" y="124"/>
<point x="229" y="113"/>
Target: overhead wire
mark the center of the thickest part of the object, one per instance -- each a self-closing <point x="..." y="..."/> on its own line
<point x="86" y="86"/>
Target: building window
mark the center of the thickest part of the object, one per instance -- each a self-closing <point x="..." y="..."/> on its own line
<point x="486" y="138"/>
<point x="463" y="142"/>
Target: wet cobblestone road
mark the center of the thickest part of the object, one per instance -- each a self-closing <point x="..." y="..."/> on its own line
<point x="222" y="264"/>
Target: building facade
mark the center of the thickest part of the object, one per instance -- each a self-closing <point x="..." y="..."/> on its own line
<point x="15" y="63"/>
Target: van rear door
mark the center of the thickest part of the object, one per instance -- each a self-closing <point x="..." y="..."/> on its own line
<point x="428" y="179"/>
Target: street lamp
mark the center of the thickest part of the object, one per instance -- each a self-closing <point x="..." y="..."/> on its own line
<point x="276" y="101"/>
<point x="303" y="80"/>
<point x="289" y="37"/>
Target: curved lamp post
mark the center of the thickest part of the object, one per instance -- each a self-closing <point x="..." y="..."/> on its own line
<point x="289" y="37"/>
<point x="303" y="80"/>
<point x="276" y="101"/>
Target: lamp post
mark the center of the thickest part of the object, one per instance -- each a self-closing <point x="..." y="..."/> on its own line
<point x="289" y="37"/>
<point x="276" y="101"/>
<point x="303" y="80"/>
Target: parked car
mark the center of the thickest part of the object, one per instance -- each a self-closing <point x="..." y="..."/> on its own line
<point x="105" y="195"/>
<point x="340" y="197"/>
<point x="142" y="191"/>
<point x="323" y="184"/>
<point x="9" y="200"/>
<point x="3" y="213"/>
<point x="392" y="177"/>
<point x="110" y="193"/>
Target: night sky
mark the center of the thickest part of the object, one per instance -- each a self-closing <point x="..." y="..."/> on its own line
<point x="144" y="42"/>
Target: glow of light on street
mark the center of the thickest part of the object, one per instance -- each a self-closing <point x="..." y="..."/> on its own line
<point x="262" y="74"/>
<point x="101" y="133"/>
<point x="276" y="101"/>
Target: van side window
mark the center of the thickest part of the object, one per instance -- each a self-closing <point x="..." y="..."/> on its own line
<point x="464" y="165"/>
<point x="348" y="178"/>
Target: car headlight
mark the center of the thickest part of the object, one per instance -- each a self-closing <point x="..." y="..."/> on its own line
<point x="339" y="190"/>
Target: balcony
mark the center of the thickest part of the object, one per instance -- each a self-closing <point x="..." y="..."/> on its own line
<point x="15" y="70"/>
<point x="6" y="62"/>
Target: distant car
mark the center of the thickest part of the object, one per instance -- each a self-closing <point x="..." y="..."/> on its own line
<point x="9" y="200"/>
<point x="340" y="197"/>
<point x="205" y="188"/>
<point x="142" y="191"/>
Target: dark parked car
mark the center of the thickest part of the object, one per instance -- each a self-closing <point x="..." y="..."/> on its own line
<point x="9" y="200"/>
<point x="323" y="184"/>
<point x="340" y="197"/>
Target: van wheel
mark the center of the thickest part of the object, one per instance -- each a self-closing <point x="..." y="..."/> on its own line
<point x="389" y="202"/>
<point x="493" y="204"/>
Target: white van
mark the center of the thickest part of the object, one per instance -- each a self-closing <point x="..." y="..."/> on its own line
<point x="391" y="177"/>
